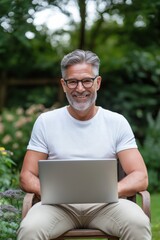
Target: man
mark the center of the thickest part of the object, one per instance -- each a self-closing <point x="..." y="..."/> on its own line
<point x="79" y="131"/>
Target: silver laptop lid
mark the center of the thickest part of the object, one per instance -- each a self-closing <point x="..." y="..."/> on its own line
<point x="78" y="181"/>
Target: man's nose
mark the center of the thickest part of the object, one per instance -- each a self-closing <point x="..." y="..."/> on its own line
<point x="80" y="87"/>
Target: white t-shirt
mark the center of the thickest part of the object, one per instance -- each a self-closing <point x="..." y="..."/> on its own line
<point x="61" y="136"/>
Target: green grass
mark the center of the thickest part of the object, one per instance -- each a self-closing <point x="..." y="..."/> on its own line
<point x="155" y="216"/>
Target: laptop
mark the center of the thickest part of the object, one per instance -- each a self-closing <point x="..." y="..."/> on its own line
<point x="78" y="181"/>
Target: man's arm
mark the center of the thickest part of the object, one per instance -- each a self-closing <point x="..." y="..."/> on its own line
<point x="137" y="177"/>
<point x="29" y="180"/>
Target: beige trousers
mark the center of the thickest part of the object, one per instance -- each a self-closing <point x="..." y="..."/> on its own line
<point x="124" y="219"/>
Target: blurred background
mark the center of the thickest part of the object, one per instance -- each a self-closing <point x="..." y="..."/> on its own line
<point x="35" y="35"/>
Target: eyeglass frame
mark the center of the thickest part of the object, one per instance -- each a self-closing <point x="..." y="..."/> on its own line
<point x="77" y="81"/>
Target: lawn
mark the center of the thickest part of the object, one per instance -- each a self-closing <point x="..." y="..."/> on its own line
<point x="155" y="216"/>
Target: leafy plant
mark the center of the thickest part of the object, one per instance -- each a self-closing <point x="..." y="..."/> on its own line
<point x="10" y="213"/>
<point x="7" y="176"/>
<point x="10" y="200"/>
<point x="15" y="128"/>
<point x="151" y="153"/>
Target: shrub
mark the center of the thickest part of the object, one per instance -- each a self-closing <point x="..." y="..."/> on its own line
<point x="10" y="200"/>
<point x="16" y="126"/>
<point x="8" y="177"/>
<point x="151" y="152"/>
<point x="15" y="129"/>
<point x="10" y="213"/>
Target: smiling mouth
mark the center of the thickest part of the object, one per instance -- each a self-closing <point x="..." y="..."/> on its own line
<point x="82" y="96"/>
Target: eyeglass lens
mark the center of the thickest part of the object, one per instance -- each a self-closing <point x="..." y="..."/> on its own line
<point x="86" y="82"/>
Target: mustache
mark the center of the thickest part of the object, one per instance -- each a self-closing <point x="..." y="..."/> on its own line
<point x="83" y="94"/>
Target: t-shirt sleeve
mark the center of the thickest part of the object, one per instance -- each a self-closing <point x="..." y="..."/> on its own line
<point x="38" y="141"/>
<point x="125" y="136"/>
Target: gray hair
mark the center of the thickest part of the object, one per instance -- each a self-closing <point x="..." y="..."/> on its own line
<point x="80" y="56"/>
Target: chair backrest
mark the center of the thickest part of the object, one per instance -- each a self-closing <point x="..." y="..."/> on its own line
<point x="121" y="173"/>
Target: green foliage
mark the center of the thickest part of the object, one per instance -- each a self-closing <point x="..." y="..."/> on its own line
<point x="10" y="200"/>
<point x="10" y="213"/>
<point x="22" y="56"/>
<point x="45" y="95"/>
<point x="7" y="174"/>
<point x="151" y="152"/>
<point x="131" y="86"/>
<point x="129" y="60"/>
<point x="15" y="127"/>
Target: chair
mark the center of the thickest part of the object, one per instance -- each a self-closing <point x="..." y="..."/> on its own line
<point x="30" y="199"/>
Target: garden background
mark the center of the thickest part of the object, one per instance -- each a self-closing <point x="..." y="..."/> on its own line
<point x="126" y="36"/>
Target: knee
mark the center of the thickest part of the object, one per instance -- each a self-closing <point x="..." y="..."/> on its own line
<point x="139" y="220"/>
<point x="30" y="230"/>
<point x="134" y="221"/>
<point x="137" y="223"/>
<point x="137" y="228"/>
<point x="136" y="217"/>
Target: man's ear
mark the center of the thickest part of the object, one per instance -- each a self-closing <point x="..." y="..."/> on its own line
<point x="63" y="84"/>
<point x="99" y="79"/>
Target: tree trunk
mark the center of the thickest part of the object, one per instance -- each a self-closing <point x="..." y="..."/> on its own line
<point x="3" y="90"/>
<point x="82" y="11"/>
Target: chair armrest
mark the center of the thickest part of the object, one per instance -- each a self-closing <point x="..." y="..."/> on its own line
<point x="27" y="203"/>
<point x="145" y="196"/>
<point x="30" y="199"/>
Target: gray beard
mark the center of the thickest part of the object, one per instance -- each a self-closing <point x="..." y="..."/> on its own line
<point x="82" y="106"/>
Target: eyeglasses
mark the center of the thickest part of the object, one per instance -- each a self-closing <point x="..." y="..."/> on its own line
<point x="86" y="82"/>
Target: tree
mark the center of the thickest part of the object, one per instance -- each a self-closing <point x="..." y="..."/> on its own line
<point x="129" y="59"/>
